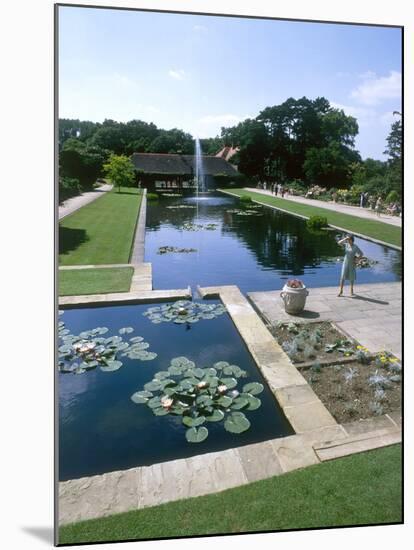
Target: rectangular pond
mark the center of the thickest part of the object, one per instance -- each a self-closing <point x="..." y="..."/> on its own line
<point x="255" y="252"/>
<point x="101" y="429"/>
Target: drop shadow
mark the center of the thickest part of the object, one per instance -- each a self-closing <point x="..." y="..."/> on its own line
<point x="70" y="239"/>
<point x="44" y="534"/>
<point x="372" y="300"/>
<point x="306" y="314"/>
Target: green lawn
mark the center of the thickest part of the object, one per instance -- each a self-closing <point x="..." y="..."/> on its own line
<point x="101" y="232"/>
<point x="95" y="281"/>
<point x="359" y="489"/>
<point x="371" y="228"/>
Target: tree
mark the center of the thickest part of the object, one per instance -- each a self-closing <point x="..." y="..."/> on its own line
<point x="81" y="161"/>
<point x="120" y="171"/>
<point x="394" y="151"/>
<point x="330" y="166"/>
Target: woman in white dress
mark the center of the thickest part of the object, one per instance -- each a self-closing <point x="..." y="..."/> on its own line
<point x="348" y="272"/>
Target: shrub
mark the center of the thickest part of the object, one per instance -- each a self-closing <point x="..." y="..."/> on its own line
<point x="317" y="222"/>
<point x="152" y="196"/>
<point x="392" y="197"/>
<point x="68" y="187"/>
<point x="246" y="199"/>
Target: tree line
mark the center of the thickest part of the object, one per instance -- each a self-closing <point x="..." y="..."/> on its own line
<point x="303" y="141"/>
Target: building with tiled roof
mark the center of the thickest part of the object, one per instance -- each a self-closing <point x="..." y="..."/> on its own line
<point x="157" y="171"/>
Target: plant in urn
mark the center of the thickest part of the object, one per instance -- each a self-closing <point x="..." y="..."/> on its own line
<point x="294" y="295"/>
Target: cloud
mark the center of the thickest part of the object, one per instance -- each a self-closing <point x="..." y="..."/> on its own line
<point x="224" y="120"/>
<point x="375" y="89"/>
<point x="177" y="74"/>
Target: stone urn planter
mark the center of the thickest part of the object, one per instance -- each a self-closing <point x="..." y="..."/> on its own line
<point x="294" y="295"/>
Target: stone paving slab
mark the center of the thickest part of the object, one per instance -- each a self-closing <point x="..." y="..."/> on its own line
<point x="98" y="496"/>
<point x="358" y="444"/>
<point x="259" y="461"/>
<point x="74" y="203"/>
<point x="126" y="297"/>
<point x="373" y="318"/>
<point x="142" y="278"/>
<point x="365" y="425"/>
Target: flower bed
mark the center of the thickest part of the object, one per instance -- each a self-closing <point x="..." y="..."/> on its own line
<point x="355" y="391"/>
<point x="305" y="343"/>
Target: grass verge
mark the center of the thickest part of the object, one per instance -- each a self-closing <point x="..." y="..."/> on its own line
<point x="356" y="490"/>
<point x="73" y="282"/>
<point x="100" y="232"/>
<point x="385" y="232"/>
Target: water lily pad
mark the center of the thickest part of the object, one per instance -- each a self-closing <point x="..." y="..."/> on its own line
<point x="254" y="388"/>
<point x="216" y="416"/>
<point x="204" y="400"/>
<point x="136" y="339"/>
<point x="254" y="403"/>
<point x="125" y="330"/>
<point x="160" y="411"/>
<point x="236" y="423"/>
<point x="161" y="375"/>
<point x="154" y="385"/>
<point x="221" y="365"/>
<point x="225" y="401"/>
<point x="191" y="422"/>
<point x="239" y="403"/>
<point x="141" y="396"/>
<point x="154" y="402"/>
<point x="111" y="366"/>
<point x="196" y="435"/>
<point x="229" y="382"/>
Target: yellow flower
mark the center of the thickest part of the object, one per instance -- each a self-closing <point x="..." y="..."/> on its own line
<point x="393" y="360"/>
<point x="359" y="347"/>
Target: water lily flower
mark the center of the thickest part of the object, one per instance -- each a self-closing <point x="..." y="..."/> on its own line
<point x="166" y="402"/>
<point x="202" y="385"/>
<point x="222" y="388"/>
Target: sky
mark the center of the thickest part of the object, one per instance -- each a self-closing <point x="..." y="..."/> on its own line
<point x="199" y="73"/>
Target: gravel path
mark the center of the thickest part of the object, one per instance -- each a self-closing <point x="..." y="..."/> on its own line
<point x="337" y="207"/>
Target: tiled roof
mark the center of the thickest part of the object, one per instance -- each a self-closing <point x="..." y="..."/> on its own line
<point x="157" y="163"/>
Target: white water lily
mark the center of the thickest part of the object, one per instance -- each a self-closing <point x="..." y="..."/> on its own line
<point x="166" y="402"/>
<point x="222" y="388"/>
<point x="202" y="385"/>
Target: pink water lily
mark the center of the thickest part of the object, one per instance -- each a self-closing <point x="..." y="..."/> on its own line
<point x="166" y="402"/>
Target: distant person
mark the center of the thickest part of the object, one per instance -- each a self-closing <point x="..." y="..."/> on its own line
<point x="372" y="202"/>
<point x="378" y="206"/>
<point x="334" y="196"/>
<point x="348" y="272"/>
<point x="361" y="200"/>
<point x="264" y="186"/>
<point x="275" y="189"/>
<point x="282" y="191"/>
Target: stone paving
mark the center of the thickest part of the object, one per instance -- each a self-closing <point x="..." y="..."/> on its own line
<point x="338" y="207"/>
<point x="74" y="203"/>
<point x="138" y="247"/>
<point x="373" y="317"/>
<point x="139" y="296"/>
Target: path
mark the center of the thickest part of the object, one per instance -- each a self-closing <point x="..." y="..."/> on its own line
<point x="74" y="203"/>
<point x="337" y="207"/>
<point x="373" y="317"/>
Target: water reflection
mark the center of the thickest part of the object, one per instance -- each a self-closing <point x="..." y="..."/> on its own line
<point x="254" y="252"/>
